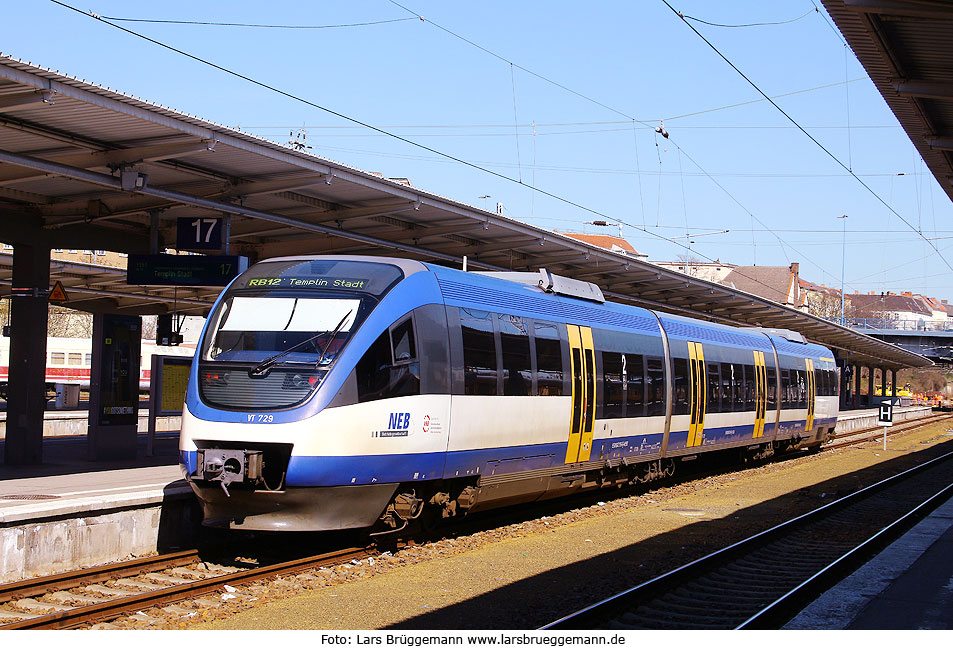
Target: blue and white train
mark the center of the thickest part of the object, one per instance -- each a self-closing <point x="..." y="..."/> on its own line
<point x="335" y="392"/>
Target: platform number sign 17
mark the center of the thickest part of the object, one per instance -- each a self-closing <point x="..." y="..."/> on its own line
<point x="199" y="234"/>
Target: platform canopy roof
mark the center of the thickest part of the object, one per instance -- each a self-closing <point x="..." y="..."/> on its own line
<point x="65" y="145"/>
<point x="906" y="47"/>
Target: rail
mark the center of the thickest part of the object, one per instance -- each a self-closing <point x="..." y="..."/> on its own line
<point x="761" y="581"/>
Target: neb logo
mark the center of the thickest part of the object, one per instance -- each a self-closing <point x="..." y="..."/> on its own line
<point x="399" y="421"/>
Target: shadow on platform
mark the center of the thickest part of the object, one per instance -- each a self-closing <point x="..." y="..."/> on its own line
<point x="67" y="455"/>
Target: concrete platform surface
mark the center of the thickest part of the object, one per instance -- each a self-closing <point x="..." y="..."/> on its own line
<point x="907" y="586"/>
<point x="67" y="483"/>
<point x="70" y="512"/>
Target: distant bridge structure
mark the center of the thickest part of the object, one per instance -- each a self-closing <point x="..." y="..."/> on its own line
<point x="931" y="339"/>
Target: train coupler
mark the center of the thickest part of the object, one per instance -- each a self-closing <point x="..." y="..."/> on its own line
<point x="228" y="466"/>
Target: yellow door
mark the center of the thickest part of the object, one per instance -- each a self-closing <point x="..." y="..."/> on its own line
<point x="761" y="393"/>
<point x="699" y="397"/>
<point x="811" y="394"/>
<point x="583" y="370"/>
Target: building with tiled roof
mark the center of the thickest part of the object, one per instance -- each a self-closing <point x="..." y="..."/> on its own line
<point x="778" y="284"/>
<point x="905" y="310"/>
<point x="714" y="272"/>
<point x="612" y="243"/>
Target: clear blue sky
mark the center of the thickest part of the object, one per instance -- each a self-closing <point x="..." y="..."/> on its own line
<point x="732" y="161"/>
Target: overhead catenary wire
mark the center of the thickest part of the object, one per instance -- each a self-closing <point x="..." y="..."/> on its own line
<point x="413" y="143"/>
<point x="601" y="104"/>
<point x="259" y="25"/>
<point x="357" y="121"/>
<point x="777" y="22"/>
<point x="803" y="130"/>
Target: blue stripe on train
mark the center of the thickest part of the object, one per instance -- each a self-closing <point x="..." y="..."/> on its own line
<point x="312" y="471"/>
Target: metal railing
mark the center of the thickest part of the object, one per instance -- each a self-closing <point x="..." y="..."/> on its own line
<point x="884" y="323"/>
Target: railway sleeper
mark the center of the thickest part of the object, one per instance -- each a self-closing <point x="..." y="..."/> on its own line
<point x="168" y="579"/>
<point x="33" y="605"/>
<point x="718" y="581"/>
<point x="655" y="618"/>
<point x="732" y="579"/>
<point x="190" y="574"/>
<point x="766" y="568"/>
<point x="69" y="596"/>
<point x="108" y="590"/>
<point x="13" y="616"/>
<point x="704" y="608"/>
<point x="138" y="584"/>
<point x="783" y="548"/>
<point x="792" y="567"/>
<point x="696" y="589"/>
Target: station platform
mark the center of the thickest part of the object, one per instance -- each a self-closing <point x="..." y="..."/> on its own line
<point x="70" y="512"/>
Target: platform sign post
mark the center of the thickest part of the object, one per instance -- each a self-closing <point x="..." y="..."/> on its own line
<point x="885" y="418"/>
<point x="168" y="381"/>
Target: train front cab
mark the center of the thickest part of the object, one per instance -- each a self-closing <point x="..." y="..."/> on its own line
<point x="319" y="437"/>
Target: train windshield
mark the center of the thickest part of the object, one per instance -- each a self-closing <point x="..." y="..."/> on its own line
<point x="278" y="331"/>
<point x="298" y="329"/>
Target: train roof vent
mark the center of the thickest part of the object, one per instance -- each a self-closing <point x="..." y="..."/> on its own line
<point x="789" y="335"/>
<point x="553" y="283"/>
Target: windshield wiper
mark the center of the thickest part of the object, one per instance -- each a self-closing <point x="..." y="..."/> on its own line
<point x="327" y="346"/>
<point x="265" y="365"/>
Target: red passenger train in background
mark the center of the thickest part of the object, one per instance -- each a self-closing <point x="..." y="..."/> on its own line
<point x="68" y="360"/>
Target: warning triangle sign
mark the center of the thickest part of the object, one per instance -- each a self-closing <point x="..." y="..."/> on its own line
<point x="58" y="294"/>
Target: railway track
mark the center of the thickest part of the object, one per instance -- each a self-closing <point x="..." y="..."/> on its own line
<point x="763" y="581"/>
<point x="74" y="599"/>
<point x="876" y="432"/>
<point x="80" y="598"/>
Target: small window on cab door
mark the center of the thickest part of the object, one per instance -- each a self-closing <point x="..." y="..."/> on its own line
<point x="402" y="335"/>
<point x="390" y="367"/>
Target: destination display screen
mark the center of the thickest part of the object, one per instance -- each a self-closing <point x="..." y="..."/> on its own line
<point x="305" y="282"/>
<point x="296" y="275"/>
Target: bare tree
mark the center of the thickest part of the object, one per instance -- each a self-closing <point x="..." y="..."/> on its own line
<point x="827" y="306"/>
<point x="64" y="322"/>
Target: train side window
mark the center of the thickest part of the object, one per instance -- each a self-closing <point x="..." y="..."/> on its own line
<point x="88" y="359"/>
<point x="57" y="358"/>
<point x="636" y="384"/>
<point x="655" y="387"/>
<point x="614" y="386"/>
<point x="549" y="359"/>
<point x="714" y="389"/>
<point x="772" y="377"/>
<point x="727" y="393"/>
<point x="737" y="388"/>
<point x="800" y="387"/>
<point x="749" y="388"/>
<point x="405" y="347"/>
<point x="479" y="353"/>
<point x="390" y="368"/>
<point x="75" y="359"/>
<point x="786" y="403"/>
<point x="517" y="369"/>
<point x="680" y="383"/>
